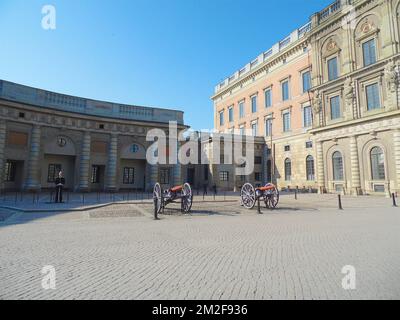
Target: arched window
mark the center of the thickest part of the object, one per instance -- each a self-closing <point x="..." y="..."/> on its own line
<point x="377" y="164"/>
<point x="337" y="164"/>
<point x="288" y="169"/>
<point x="310" y="168"/>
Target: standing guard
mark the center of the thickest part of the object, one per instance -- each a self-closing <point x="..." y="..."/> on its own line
<point x="60" y="182"/>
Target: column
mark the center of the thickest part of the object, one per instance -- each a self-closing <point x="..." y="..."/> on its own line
<point x="84" y="163"/>
<point x="177" y="175"/>
<point x="320" y="168"/>
<point x="355" y="167"/>
<point x="32" y="182"/>
<point x="111" y="179"/>
<point x="396" y="145"/>
<point x="2" y="155"/>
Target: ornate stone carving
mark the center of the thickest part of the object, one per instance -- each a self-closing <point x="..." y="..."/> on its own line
<point x="367" y="26"/>
<point x="332" y="45"/>
<point x="348" y="96"/>
<point x="317" y="108"/>
<point x="392" y="83"/>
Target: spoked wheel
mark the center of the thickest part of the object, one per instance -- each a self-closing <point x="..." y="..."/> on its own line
<point x="272" y="198"/>
<point x="157" y="198"/>
<point x="187" y="198"/>
<point x="248" y="196"/>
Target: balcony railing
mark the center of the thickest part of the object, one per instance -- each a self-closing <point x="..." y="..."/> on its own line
<point x="324" y="14"/>
<point x="51" y="100"/>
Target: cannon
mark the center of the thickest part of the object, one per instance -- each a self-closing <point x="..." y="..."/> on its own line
<point x="250" y="195"/>
<point x="162" y="197"/>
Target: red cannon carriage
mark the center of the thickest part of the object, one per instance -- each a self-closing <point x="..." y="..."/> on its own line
<point x="162" y="198"/>
<point x="250" y="195"/>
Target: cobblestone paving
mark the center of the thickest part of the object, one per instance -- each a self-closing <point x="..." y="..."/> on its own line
<point x="219" y="252"/>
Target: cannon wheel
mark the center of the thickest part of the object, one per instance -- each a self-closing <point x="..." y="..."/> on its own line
<point x="272" y="199"/>
<point x="157" y="198"/>
<point x="187" y="198"/>
<point x="248" y="196"/>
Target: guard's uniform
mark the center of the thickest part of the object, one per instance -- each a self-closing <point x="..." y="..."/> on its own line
<point x="60" y="182"/>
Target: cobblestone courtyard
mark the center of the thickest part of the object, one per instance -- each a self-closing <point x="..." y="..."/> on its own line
<point x="220" y="251"/>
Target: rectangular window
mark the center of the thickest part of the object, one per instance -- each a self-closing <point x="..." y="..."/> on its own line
<point x="268" y="98"/>
<point x="10" y="170"/>
<point x="230" y="114"/>
<point x="373" y="97"/>
<point x="307" y="116"/>
<point x="306" y="81"/>
<point x="335" y="108"/>
<point x="309" y="145"/>
<point x="164" y="176"/>
<point x="241" y="109"/>
<point x="254" y="129"/>
<point x="52" y="172"/>
<point x="254" y="104"/>
<point x="333" y="69"/>
<point x="285" y="90"/>
<point x="224" y="176"/>
<point x="257" y="160"/>
<point x="369" y="52"/>
<point x="95" y="174"/>
<point x="268" y="127"/>
<point x="221" y="118"/>
<point x="286" y="122"/>
<point x="257" y="176"/>
<point x="129" y="176"/>
<point x="287" y="148"/>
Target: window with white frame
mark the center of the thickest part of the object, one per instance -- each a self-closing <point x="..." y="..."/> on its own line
<point x="337" y="165"/>
<point x="230" y="114"/>
<point x="254" y="104"/>
<point x="333" y="72"/>
<point x="377" y="164"/>
<point x="306" y="77"/>
<point x="254" y="128"/>
<point x="268" y="127"/>
<point x="268" y="98"/>
<point x="373" y="96"/>
<point x="307" y="116"/>
<point x="310" y="168"/>
<point x="241" y="109"/>
<point x="224" y="176"/>
<point x="285" y="90"/>
<point x="241" y="130"/>
<point x="221" y="118"/>
<point x="286" y="121"/>
<point x="335" y="108"/>
<point x="288" y="169"/>
<point x="369" y="52"/>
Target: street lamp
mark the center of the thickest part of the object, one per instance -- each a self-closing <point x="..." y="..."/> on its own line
<point x="271" y="151"/>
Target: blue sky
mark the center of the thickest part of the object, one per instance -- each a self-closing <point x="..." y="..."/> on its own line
<point x="161" y="53"/>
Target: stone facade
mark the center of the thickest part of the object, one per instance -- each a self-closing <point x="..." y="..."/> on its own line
<point x="353" y="54"/>
<point x="365" y="135"/>
<point x="95" y="152"/>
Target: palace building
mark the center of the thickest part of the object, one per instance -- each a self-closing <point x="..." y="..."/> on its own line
<point x="98" y="145"/>
<point x="325" y="100"/>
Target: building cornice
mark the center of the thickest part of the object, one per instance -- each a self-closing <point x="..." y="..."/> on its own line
<point x="265" y="66"/>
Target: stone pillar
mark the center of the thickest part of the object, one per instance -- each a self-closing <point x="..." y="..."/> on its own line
<point x="320" y="168"/>
<point x="84" y="163"/>
<point x="2" y="155"/>
<point x="396" y="146"/>
<point x="177" y="174"/>
<point x="355" y="167"/>
<point x="111" y="178"/>
<point x="32" y="182"/>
